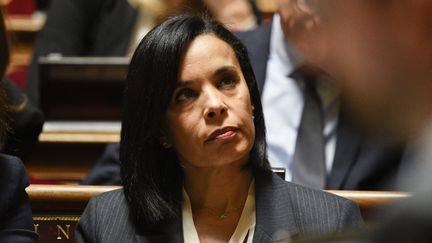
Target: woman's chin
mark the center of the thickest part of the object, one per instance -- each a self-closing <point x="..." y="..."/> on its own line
<point x="234" y="154"/>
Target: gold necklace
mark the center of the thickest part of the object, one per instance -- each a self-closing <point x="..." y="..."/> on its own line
<point x="225" y="214"/>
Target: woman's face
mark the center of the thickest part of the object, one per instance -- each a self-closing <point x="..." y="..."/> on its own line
<point x="209" y="121"/>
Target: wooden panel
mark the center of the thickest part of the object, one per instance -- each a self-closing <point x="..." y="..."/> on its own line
<point x="79" y="137"/>
<point x="75" y="198"/>
<point x="63" y="162"/>
<point x="372" y="199"/>
<point x="82" y="88"/>
<point x="63" y="198"/>
<point x="57" y="209"/>
<point x="81" y="132"/>
<point x="23" y="23"/>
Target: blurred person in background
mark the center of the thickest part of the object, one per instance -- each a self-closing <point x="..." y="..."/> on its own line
<point x="114" y="27"/>
<point x="25" y="120"/>
<point x="236" y="15"/>
<point x="381" y="53"/>
<point x="310" y="131"/>
<point x="16" y="223"/>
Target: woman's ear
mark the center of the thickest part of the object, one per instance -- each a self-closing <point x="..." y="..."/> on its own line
<point x="164" y="141"/>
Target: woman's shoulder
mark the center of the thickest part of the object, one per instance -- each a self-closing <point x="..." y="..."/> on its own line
<point x="299" y="191"/>
<point x="13" y="175"/>
<point x="106" y="219"/>
<point x="11" y="165"/>
<point x="109" y="200"/>
<point x="315" y="211"/>
<point x="107" y="205"/>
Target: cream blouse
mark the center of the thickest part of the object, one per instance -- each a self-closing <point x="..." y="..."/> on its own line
<point x="245" y="227"/>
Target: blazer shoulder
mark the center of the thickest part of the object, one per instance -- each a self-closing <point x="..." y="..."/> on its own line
<point x="109" y="201"/>
<point x="106" y="219"/>
<point x="321" y="212"/>
<point x="13" y="173"/>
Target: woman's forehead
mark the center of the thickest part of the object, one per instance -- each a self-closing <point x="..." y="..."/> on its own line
<point x="207" y="52"/>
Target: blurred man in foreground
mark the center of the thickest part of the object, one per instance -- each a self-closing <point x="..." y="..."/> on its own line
<point x="382" y="52"/>
<point x="308" y="130"/>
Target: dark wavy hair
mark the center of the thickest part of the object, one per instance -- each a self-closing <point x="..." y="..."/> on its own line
<point x="151" y="175"/>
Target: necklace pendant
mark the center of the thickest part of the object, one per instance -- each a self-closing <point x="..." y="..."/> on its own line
<point x="223" y="216"/>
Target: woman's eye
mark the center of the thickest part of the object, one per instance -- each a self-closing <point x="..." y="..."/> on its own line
<point x="228" y="81"/>
<point x="185" y="94"/>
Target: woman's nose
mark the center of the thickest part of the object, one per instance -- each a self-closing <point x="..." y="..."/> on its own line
<point x="215" y="107"/>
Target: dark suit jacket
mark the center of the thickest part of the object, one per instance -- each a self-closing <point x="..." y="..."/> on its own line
<point x="16" y="223"/>
<point x="82" y="28"/>
<point x="360" y="163"/>
<point x="283" y="209"/>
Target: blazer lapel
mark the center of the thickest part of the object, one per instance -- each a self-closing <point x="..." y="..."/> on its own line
<point x="347" y="150"/>
<point x="275" y="216"/>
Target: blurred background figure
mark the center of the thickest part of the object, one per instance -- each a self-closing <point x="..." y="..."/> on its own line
<point x="309" y="130"/>
<point x="16" y="223"/>
<point x="384" y="64"/>
<point x="381" y="53"/>
<point x="114" y="27"/>
<point x="25" y="119"/>
<point x="236" y="15"/>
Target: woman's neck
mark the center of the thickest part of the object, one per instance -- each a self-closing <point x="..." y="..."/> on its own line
<point x="219" y="189"/>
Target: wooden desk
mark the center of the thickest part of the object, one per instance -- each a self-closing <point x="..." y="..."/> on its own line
<point x="57" y="209"/>
<point x="24" y="23"/>
<point x="81" y="132"/>
<point x="67" y="151"/>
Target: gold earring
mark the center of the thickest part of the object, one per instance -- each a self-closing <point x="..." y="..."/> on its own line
<point x="253" y="109"/>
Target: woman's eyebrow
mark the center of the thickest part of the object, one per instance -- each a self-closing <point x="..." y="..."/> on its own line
<point x="184" y="83"/>
<point x="219" y="72"/>
<point x="225" y="69"/>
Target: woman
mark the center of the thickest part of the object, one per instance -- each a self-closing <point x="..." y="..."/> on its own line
<point x="193" y="151"/>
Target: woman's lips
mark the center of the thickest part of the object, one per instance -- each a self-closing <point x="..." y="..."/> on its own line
<point x="221" y="134"/>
